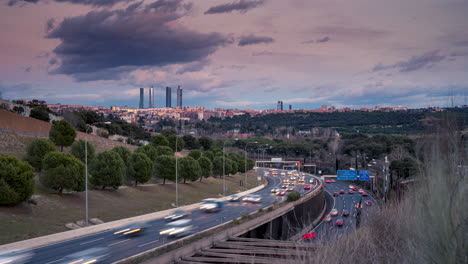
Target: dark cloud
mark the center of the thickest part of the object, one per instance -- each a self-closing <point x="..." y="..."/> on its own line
<point x="325" y="39"/>
<point x="97" y="3"/>
<point x="104" y="44"/>
<point x="349" y="32"/>
<point x="16" y="2"/>
<point x="252" y="39"/>
<point x="52" y="61"/>
<point x="27" y="69"/>
<point x="241" y="6"/>
<point x="414" y="63"/>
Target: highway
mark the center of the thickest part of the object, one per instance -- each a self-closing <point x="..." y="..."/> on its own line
<point x="121" y="247"/>
<point x="327" y="230"/>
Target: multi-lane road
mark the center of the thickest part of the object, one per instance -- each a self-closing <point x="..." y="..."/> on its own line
<point x="121" y="247"/>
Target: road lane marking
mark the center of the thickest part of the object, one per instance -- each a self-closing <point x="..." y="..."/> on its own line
<point x="148" y="243"/>
<point x="54" y="261"/>
<point x="84" y="243"/>
<point x="118" y="242"/>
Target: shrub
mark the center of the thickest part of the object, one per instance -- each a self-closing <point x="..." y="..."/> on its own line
<point x="140" y="168"/>
<point x="148" y="150"/>
<point x="107" y="170"/>
<point x="37" y="150"/>
<point x="78" y="150"/>
<point x="293" y="196"/>
<point x="63" y="171"/>
<point x="16" y="180"/>
<point x="159" y="140"/>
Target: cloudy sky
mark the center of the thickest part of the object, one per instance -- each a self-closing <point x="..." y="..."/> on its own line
<point x="236" y="54"/>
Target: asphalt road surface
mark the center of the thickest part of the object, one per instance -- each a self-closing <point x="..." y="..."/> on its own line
<point x="121" y="247"/>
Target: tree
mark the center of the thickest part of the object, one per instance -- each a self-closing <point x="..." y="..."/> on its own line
<point x="140" y="168"/>
<point x="16" y="180"/>
<point x="164" y="168"/>
<point x="107" y="170"/>
<point x="293" y="196"/>
<point x="63" y="171"/>
<point x="162" y="150"/>
<point x="172" y="141"/>
<point x="191" y="142"/>
<point x="234" y="167"/>
<point x="124" y="153"/>
<point x="78" y="150"/>
<point x="196" y="154"/>
<point x="189" y="169"/>
<point x="229" y="166"/>
<point x="250" y="164"/>
<point x="209" y="154"/>
<point x="159" y="140"/>
<point x="206" y="167"/>
<point x="168" y="132"/>
<point x="40" y="113"/>
<point x="62" y="134"/>
<point x="19" y="109"/>
<point x="37" y="150"/>
<point x="148" y="150"/>
<point x="218" y="166"/>
<point x="205" y="142"/>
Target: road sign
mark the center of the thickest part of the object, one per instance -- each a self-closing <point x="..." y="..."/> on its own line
<point x="364" y="175"/>
<point x="346" y="175"/>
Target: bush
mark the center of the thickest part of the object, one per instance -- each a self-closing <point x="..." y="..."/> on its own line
<point x="16" y="180"/>
<point x="148" y="150"/>
<point x="37" y="150"/>
<point x="189" y="169"/>
<point x="40" y="113"/>
<point x="140" y="168"/>
<point x="63" y="171"/>
<point x="107" y="170"/>
<point x="196" y="154"/>
<point x="162" y="150"/>
<point x="293" y="196"/>
<point x="159" y="140"/>
<point x="164" y="168"/>
<point x="172" y="142"/>
<point x="206" y="167"/>
<point x="78" y="150"/>
<point x="62" y="134"/>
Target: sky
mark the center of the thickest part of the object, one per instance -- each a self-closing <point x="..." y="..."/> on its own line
<point x="236" y="54"/>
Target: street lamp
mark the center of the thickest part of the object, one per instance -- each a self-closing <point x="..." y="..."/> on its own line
<point x="245" y="163"/>
<point x="176" y="175"/>
<point x="86" y="168"/>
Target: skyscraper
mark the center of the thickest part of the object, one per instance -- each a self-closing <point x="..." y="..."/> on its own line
<point x="179" y="97"/>
<point x="142" y="97"/>
<point x="168" y="97"/>
<point x="279" y="106"/>
<point x="290" y="107"/>
<point x="151" y="98"/>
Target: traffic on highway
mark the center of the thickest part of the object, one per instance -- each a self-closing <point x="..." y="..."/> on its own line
<point x="127" y="241"/>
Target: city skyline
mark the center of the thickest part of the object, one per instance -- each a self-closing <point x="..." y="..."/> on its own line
<point x="248" y="55"/>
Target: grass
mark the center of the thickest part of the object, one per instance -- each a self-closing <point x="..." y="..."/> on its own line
<point x="53" y="211"/>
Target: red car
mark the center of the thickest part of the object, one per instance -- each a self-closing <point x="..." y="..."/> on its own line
<point x="355" y="188"/>
<point x="307" y="187"/>
<point x="369" y="203"/>
<point x="364" y="194"/>
<point x="339" y="222"/>
<point x="351" y="192"/>
<point x="281" y="193"/>
<point x="345" y="213"/>
<point x="328" y="181"/>
<point x="309" y="236"/>
<point x="342" y="192"/>
<point x="333" y="180"/>
<point x="335" y="194"/>
<point x="358" y="205"/>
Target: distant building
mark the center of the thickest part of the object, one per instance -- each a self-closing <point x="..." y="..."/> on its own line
<point x="279" y="106"/>
<point x="151" y="98"/>
<point x="324" y="108"/>
<point x="179" y="97"/>
<point x="290" y="107"/>
<point x="168" y="97"/>
<point x="142" y="97"/>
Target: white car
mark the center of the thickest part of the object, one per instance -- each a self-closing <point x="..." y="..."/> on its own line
<point x="334" y="212"/>
<point x="253" y="198"/>
<point x="275" y="190"/>
<point x="311" y="180"/>
<point x="178" y="228"/>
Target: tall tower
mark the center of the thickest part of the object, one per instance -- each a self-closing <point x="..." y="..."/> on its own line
<point x="151" y="98"/>
<point x="142" y="97"/>
<point x="179" y="97"/>
<point x="168" y="97"/>
<point x="290" y="107"/>
<point x="279" y="106"/>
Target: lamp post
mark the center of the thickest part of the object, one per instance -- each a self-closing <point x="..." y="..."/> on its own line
<point x="86" y="168"/>
<point x="245" y="163"/>
<point x="176" y="174"/>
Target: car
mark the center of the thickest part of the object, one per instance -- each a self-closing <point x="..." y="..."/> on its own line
<point x="355" y="188"/>
<point x="133" y="229"/>
<point x="309" y="236"/>
<point x="275" y="190"/>
<point x="307" y="187"/>
<point x="290" y="189"/>
<point x="301" y="182"/>
<point x="333" y="180"/>
<point x="284" y="186"/>
<point x="335" y="193"/>
<point x="178" y="228"/>
<point x="312" y="181"/>
<point x="15" y="257"/>
<point x="234" y="198"/>
<point x="364" y="194"/>
<point x="334" y="212"/>
<point x="255" y="198"/>
<point x="211" y="205"/>
<point x="339" y="222"/>
<point x="361" y="191"/>
<point x="286" y="181"/>
<point x="342" y="192"/>
<point x="281" y="193"/>
<point x="328" y="181"/>
<point x="351" y="192"/>
<point x="327" y="218"/>
<point x="351" y="187"/>
<point x="358" y="205"/>
<point x="91" y="255"/>
<point x="283" y="174"/>
<point x="369" y="203"/>
<point x="345" y="212"/>
<point x="247" y="198"/>
<point x="177" y="214"/>
<point x="291" y="183"/>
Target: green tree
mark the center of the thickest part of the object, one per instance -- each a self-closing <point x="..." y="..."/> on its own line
<point x="107" y="170"/>
<point x="148" y="150"/>
<point x="191" y="142"/>
<point x="162" y="150"/>
<point x="172" y="141"/>
<point x="206" y="167"/>
<point x="37" y="150"/>
<point x="16" y="180"/>
<point x="159" y="140"/>
<point x="62" y="134"/>
<point x="209" y="154"/>
<point x="195" y="153"/>
<point x="19" y="109"/>
<point x="250" y="164"/>
<point x="78" y="150"/>
<point x="293" y="196"/>
<point x="140" y="168"/>
<point x="40" y="113"/>
<point x="63" y="171"/>
<point x="205" y="142"/>
<point x="164" y="168"/>
<point x="218" y="166"/>
<point x="168" y="132"/>
<point x="229" y="166"/>
<point x="189" y="169"/>
<point x="123" y="152"/>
